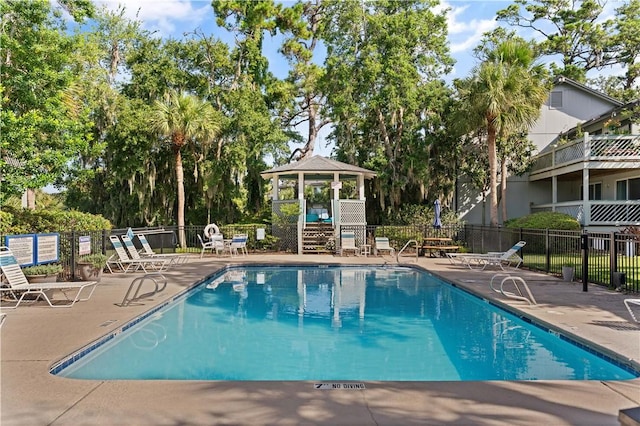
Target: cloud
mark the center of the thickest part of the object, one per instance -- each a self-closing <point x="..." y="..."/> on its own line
<point x="164" y="16"/>
<point x="465" y="34"/>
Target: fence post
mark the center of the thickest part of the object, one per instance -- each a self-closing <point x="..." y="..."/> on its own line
<point x="613" y="256"/>
<point x="104" y="242"/>
<point x="547" y="250"/>
<point x="74" y="249"/>
<point x="585" y="261"/>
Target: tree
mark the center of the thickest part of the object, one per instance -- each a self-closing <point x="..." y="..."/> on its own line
<point x="184" y="121"/>
<point x="385" y="95"/>
<point x="40" y="133"/>
<point x="503" y="94"/>
<point x="568" y="28"/>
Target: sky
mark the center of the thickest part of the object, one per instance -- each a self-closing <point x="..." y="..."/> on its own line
<point x="467" y="21"/>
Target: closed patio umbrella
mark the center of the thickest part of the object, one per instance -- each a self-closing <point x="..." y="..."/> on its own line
<point x="436" y="209"/>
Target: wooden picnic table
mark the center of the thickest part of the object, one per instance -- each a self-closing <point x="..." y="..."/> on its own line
<point x="440" y="245"/>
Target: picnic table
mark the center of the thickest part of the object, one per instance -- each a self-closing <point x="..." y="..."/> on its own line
<point x="437" y="245"/>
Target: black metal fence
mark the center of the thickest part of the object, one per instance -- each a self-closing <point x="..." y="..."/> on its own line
<point x="610" y="259"/>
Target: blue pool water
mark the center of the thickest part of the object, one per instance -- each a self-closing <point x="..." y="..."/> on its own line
<point x="336" y="323"/>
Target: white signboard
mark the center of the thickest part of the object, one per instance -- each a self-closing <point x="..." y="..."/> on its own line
<point x="47" y="248"/>
<point x="23" y="248"/>
<point x="84" y="245"/>
<point x="336" y="185"/>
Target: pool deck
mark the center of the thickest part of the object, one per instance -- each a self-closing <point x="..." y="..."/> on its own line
<point x="34" y="337"/>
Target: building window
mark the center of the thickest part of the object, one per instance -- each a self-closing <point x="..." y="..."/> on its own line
<point x="595" y="191"/>
<point x="555" y="99"/>
<point x="628" y="189"/>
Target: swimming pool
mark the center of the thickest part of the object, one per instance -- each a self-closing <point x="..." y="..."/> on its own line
<point x="334" y="323"/>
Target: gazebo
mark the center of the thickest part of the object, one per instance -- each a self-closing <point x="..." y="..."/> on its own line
<point x="318" y="223"/>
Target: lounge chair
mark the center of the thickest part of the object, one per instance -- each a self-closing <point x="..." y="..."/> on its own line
<point x="147" y="251"/>
<point x="382" y="244"/>
<point x="18" y="287"/>
<point x="628" y="303"/>
<point x="159" y="264"/>
<point x="214" y="244"/>
<point x="489" y="259"/>
<point x="122" y="261"/>
<point x="348" y="243"/>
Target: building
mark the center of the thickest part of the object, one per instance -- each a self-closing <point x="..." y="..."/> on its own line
<point x="587" y="165"/>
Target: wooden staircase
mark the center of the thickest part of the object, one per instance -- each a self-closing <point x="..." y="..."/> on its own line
<point x="315" y="236"/>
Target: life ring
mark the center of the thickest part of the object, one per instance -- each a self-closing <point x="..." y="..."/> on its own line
<point x="210" y="230"/>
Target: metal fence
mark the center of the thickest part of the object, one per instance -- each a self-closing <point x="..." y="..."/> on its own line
<point x="609" y="259"/>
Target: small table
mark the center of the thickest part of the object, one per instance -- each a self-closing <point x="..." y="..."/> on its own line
<point x="365" y="250"/>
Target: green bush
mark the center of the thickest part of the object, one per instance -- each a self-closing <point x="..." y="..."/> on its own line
<point x="49" y="269"/>
<point x="544" y="220"/>
<point x="97" y="260"/>
<point x="419" y="214"/>
<point x="22" y="221"/>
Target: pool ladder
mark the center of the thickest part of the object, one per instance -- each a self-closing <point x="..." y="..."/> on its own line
<point x="514" y="280"/>
<point x="159" y="281"/>
<point x="405" y="247"/>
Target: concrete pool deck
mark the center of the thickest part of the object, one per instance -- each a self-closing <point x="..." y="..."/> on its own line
<point x="34" y="337"/>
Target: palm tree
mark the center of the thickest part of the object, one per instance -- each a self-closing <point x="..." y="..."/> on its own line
<point x="503" y="94"/>
<point x="184" y="120"/>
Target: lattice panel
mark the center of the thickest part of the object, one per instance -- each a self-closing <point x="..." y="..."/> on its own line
<point x="543" y="162"/>
<point x="570" y="153"/>
<point x="615" y="146"/>
<point x="352" y="212"/>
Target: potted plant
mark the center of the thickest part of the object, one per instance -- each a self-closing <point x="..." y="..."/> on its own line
<point x="90" y="266"/>
<point x="42" y="273"/>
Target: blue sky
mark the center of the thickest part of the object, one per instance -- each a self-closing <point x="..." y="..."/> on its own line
<point x="467" y="21"/>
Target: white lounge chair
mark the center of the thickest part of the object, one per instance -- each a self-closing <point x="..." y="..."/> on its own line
<point x="122" y="261"/>
<point x="348" y="243"/>
<point x="628" y="303"/>
<point x="147" y="251"/>
<point x="382" y="244"/>
<point x="489" y="259"/>
<point x="159" y="264"/>
<point x="18" y="287"/>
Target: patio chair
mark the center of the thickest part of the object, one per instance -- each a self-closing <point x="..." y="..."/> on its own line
<point x="348" y="243"/>
<point x="214" y="244"/>
<point x="382" y="244"/>
<point x="628" y="303"/>
<point x="237" y="245"/>
<point x="18" y="287"/>
<point x="147" y="251"/>
<point x="489" y="259"/>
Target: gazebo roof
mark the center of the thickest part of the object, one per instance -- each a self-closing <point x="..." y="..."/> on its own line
<point x="317" y="165"/>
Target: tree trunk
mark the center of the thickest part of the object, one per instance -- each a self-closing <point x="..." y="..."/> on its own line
<point x="180" y="180"/>
<point x="31" y="199"/>
<point x="503" y="188"/>
<point x="493" y="172"/>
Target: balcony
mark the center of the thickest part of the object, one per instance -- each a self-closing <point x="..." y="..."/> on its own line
<point x="598" y="152"/>
<point x="597" y="213"/>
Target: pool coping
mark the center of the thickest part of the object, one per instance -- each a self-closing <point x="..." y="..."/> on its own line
<point x="32" y="338"/>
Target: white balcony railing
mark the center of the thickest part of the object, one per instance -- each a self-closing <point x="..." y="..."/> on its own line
<point x="600" y="213"/>
<point x="590" y="148"/>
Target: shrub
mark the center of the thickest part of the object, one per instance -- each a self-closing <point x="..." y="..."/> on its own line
<point x="49" y="269"/>
<point x="97" y="260"/>
<point x="544" y="220"/>
<point x="21" y="221"/>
